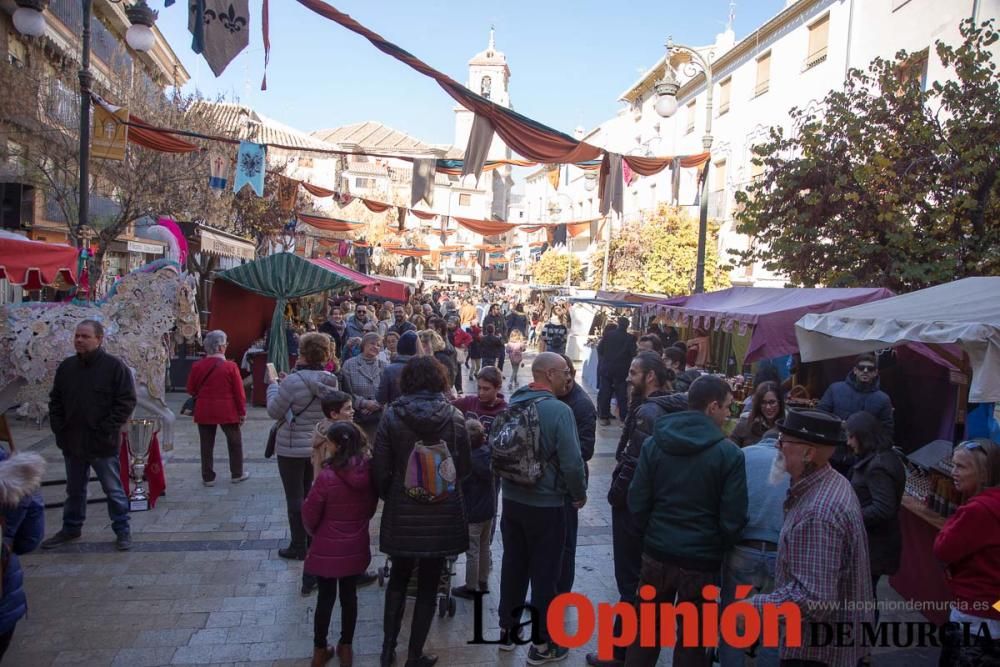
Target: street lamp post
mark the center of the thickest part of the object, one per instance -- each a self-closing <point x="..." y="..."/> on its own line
<point x="29" y="21"/>
<point x="666" y="105"/>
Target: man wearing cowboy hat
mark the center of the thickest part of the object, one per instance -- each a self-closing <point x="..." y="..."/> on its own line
<point x="822" y="549"/>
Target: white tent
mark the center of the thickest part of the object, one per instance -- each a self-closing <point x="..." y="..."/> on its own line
<point x="966" y="312"/>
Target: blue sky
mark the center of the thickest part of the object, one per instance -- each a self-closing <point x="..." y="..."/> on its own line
<point x="569" y="61"/>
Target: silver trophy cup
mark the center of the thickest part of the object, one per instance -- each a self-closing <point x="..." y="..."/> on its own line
<point x="140" y="436"/>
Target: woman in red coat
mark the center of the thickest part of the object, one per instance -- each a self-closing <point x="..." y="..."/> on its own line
<point x="969" y="546"/>
<point x="221" y="401"/>
<point x="336" y="513"/>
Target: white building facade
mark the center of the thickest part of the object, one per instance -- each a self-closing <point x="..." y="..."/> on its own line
<point x="792" y="60"/>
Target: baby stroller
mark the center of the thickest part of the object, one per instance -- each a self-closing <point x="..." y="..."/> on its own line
<point x="446" y="603"/>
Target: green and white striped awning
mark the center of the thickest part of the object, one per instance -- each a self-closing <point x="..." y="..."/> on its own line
<point x="284" y="276"/>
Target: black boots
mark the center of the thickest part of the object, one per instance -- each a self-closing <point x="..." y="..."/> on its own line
<point x="423" y="616"/>
<point x="392" y="619"/>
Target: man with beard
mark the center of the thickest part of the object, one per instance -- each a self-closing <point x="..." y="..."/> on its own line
<point x="585" y="416"/>
<point x="752" y="561"/>
<point x="689" y="498"/>
<point x="400" y="324"/>
<point x="652" y="398"/>
<point x="859" y="393"/>
<point x="822" y="548"/>
<point x="335" y="328"/>
<point x="358" y="324"/>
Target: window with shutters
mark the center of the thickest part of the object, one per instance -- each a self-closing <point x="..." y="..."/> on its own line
<point x="691" y="108"/>
<point x="720" y="176"/>
<point x="914" y="68"/>
<point x="17" y="52"/>
<point x="819" y="34"/>
<point x="763" y="75"/>
<point x="724" y="89"/>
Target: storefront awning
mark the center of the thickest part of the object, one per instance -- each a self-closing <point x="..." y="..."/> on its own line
<point x="224" y="246"/>
<point x="34" y="264"/>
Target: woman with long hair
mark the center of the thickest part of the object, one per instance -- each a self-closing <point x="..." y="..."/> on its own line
<point x="336" y="515"/>
<point x="413" y="528"/>
<point x="878" y="478"/>
<point x="969" y="546"/>
<point x="767" y="408"/>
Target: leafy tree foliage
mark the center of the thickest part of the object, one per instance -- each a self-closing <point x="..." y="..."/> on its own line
<point x="551" y="268"/>
<point x="658" y="255"/>
<point x="891" y="185"/>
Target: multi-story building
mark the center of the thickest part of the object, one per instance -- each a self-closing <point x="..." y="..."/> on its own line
<point x="792" y="60"/>
<point x="48" y="110"/>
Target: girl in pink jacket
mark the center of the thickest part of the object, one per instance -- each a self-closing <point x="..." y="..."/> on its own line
<point x="336" y="513"/>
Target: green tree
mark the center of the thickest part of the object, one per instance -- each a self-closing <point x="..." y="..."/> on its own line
<point x="551" y="268"/>
<point x="659" y="254"/>
<point x="892" y="185"/>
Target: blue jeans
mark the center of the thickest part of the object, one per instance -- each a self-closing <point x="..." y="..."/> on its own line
<point x="751" y="567"/>
<point x="77" y="476"/>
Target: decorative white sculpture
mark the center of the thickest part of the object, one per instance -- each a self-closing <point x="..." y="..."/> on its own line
<point x="143" y="311"/>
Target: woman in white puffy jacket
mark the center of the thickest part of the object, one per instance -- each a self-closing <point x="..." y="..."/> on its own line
<point x="296" y="401"/>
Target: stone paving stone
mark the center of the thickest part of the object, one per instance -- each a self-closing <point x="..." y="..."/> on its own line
<point x="95" y="656"/>
<point x="144" y="657"/>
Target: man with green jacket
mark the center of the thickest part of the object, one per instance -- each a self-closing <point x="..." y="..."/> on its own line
<point x="533" y="523"/>
<point x="689" y="496"/>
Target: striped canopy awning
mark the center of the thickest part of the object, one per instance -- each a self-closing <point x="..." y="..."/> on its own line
<point x="281" y="277"/>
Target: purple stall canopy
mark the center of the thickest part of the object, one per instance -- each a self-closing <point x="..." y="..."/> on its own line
<point x="768" y="314"/>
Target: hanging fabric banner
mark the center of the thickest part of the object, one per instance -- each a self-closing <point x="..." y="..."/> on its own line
<point x="218" y="172"/>
<point x="250" y="167"/>
<point x="554" y="176"/>
<point x="422" y="185"/>
<point x="109" y="133"/>
<point x="220" y="30"/>
<point x="288" y="191"/>
<point x="612" y="184"/>
<point x="476" y="152"/>
<point x="675" y="180"/>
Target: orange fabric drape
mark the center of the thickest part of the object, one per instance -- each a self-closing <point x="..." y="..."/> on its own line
<point x="376" y="206"/>
<point x="143" y="134"/>
<point x="553" y="177"/>
<point x="330" y="224"/>
<point x="647" y="166"/>
<point x="485" y="227"/>
<point x="531" y="229"/>
<point x="317" y="191"/>
<point x="577" y="228"/>
<point x="408" y="252"/>
<point x="423" y="215"/>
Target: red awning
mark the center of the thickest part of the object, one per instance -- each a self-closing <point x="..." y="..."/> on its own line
<point x="374" y="286"/>
<point x="36" y="264"/>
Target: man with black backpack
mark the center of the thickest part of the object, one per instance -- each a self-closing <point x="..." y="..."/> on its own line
<point x="536" y="453"/>
<point x="652" y="398"/>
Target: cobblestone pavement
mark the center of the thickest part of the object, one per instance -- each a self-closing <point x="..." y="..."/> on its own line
<point x="203" y="583"/>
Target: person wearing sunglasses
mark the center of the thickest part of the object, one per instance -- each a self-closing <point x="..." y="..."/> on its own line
<point x="969" y="546"/>
<point x="860" y="392"/>
<point x="822" y="547"/>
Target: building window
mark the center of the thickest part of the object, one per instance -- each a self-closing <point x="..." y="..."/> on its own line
<point x="364" y="182"/>
<point x="63" y="104"/>
<point x="724" y="89"/>
<point x="720" y="176"/>
<point x="819" y="34"/>
<point x="306" y="162"/>
<point x="486" y="87"/>
<point x="763" y="75"/>
<point x="691" y="108"/>
<point x="756" y="170"/>
<point x="17" y="52"/>
<point x="15" y="157"/>
<point x="464" y="199"/>
<point x="914" y="69"/>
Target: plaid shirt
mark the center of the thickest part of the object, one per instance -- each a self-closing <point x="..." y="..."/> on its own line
<point x="823" y="564"/>
<point x="362" y="377"/>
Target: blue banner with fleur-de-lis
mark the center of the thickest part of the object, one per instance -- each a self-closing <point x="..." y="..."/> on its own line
<point x="250" y="167"/>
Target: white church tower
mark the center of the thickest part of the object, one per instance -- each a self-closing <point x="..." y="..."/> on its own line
<point x="489" y="76"/>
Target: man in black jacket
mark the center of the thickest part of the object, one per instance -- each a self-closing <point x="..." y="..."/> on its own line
<point x="616" y="351"/>
<point x="585" y="416"/>
<point x="92" y="397"/>
<point x="651" y="399"/>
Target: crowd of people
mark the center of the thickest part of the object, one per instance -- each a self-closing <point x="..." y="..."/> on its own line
<point x="375" y="411"/>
